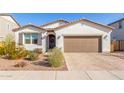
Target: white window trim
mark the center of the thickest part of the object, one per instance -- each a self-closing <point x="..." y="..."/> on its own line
<point x="30" y="38"/>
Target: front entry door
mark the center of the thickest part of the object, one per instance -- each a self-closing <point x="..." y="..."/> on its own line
<point x="51" y="41"/>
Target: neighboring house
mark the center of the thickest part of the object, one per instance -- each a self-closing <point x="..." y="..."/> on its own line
<point x="118" y="32"/>
<point x="7" y="23"/>
<point x="78" y="36"/>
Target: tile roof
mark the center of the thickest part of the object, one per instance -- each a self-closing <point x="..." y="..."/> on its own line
<point x="29" y="25"/>
<point x="54" y="22"/>
<point x="80" y="20"/>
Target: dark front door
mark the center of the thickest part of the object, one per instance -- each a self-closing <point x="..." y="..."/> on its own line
<point x="51" y="41"/>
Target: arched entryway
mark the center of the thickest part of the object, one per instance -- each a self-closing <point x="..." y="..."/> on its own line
<point x="51" y="41"/>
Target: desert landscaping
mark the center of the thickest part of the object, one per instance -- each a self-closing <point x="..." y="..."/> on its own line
<point x="13" y="57"/>
<point x="40" y="64"/>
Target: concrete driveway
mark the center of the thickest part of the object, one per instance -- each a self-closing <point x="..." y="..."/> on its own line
<point x="93" y="61"/>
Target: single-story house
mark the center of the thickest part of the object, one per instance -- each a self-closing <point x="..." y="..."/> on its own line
<point x="79" y="36"/>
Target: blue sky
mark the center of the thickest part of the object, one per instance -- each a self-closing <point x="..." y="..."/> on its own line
<point x="42" y="18"/>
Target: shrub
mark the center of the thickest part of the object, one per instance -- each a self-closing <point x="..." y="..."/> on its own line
<point x="18" y="53"/>
<point x="1" y="44"/>
<point x="55" y="57"/>
<point x="21" y="52"/>
<point x="38" y="50"/>
<point x="21" y="64"/>
<point x="11" y="51"/>
<point x="1" y="51"/>
<point x="9" y="45"/>
<point x="32" y="56"/>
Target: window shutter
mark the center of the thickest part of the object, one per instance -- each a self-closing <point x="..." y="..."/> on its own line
<point x="20" y="39"/>
<point x="40" y="39"/>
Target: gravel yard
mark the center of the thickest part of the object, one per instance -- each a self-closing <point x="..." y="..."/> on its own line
<point x="40" y="64"/>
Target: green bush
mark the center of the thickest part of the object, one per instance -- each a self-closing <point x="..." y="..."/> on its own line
<point x="32" y="56"/>
<point x="21" y="52"/>
<point x="38" y="50"/>
<point x="18" y="53"/>
<point x="1" y="51"/>
<point x="11" y="51"/>
<point x="55" y="57"/>
<point x="9" y="46"/>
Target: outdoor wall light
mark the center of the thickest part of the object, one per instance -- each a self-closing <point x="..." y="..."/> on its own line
<point x="105" y="37"/>
<point x="58" y="37"/>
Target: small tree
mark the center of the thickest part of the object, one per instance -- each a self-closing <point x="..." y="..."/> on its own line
<point x="9" y="45"/>
<point x="10" y="50"/>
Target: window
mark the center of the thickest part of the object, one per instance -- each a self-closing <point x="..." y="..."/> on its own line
<point x="27" y="39"/>
<point x="31" y="38"/>
<point x="8" y="27"/>
<point x="34" y="38"/>
<point x="120" y="25"/>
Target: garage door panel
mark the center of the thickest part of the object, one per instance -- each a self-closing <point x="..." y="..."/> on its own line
<point x="82" y="44"/>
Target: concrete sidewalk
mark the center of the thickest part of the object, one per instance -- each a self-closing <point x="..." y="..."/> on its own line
<point x="61" y="75"/>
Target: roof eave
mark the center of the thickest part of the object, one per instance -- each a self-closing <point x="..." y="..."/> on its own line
<point x="116" y="21"/>
<point x="17" y="29"/>
<point x="109" y="27"/>
<point x="53" y="22"/>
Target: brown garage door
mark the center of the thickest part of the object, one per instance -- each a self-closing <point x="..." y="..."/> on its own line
<point x="82" y="44"/>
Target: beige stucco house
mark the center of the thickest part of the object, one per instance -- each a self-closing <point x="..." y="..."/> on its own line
<point x="79" y="36"/>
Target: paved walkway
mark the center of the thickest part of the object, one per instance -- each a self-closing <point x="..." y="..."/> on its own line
<point x="61" y="75"/>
